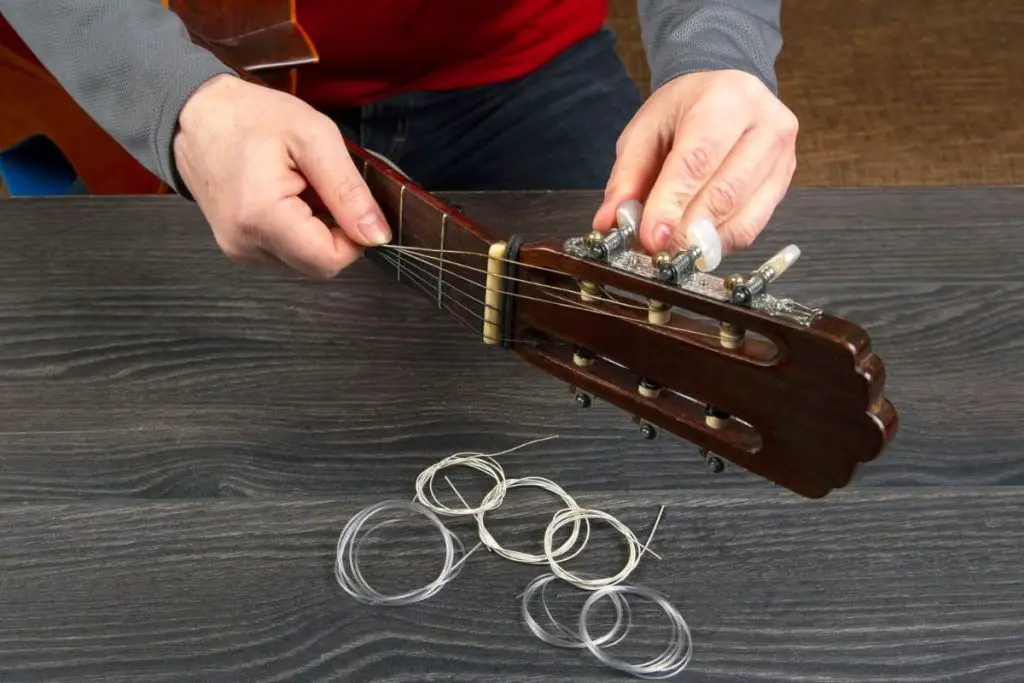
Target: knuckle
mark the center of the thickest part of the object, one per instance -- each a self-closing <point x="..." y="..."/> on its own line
<point x="789" y="125"/>
<point x="232" y="249"/>
<point x="248" y="228"/>
<point x="234" y="253"/>
<point x="697" y="162"/>
<point x="673" y="202"/>
<point x="724" y="196"/>
<point x="351" y="188"/>
<point x="622" y="141"/>
<point x="325" y="271"/>
<point x="318" y="126"/>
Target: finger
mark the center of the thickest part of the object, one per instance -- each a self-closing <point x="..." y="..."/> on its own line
<point x="257" y="256"/>
<point x="702" y="142"/>
<point x="304" y="242"/>
<point x="743" y="227"/>
<point x="632" y="176"/>
<point x="746" y="168"/>
<point x="323" y="159"/>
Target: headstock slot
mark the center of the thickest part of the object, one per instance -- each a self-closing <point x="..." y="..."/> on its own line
<point x="691" y="327"/>
<point x="829" y="355"/>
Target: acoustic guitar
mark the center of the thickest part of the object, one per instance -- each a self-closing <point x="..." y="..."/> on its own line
<point x="782" y="389"/>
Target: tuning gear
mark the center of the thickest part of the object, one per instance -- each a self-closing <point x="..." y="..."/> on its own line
<point x="745" y="291"/>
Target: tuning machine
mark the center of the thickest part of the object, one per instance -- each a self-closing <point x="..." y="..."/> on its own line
<point x="704" y="254"/>
<point x="602" y="247"/>
<point x="744" y="291"/>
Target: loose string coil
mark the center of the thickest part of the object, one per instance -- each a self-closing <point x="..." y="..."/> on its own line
<point x="565" y="637"/>
<point x="574" y="515"/>
<point x="671" y="661"/>
<point x="482" y="462"/>
<point x="426" y="503"/>
<point x="534" y="558"/>
<point x="350" y="576"/>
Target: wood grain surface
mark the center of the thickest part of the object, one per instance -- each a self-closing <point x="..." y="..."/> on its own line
<point x="872" y="585"/>
<point x="143" y="377"/>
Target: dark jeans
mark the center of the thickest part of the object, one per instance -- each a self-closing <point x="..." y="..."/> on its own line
<point x="552" y="129"/>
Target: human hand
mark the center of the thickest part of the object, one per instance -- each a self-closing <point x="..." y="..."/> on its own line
<point x="247" y="152"/>
<point x="716" y="148"/>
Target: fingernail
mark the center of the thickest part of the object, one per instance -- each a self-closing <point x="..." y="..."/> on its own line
<point x="662" y="236"/>
<point x="372" y="228"/>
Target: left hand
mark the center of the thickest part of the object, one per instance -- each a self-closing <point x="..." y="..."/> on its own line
<point x="715" y="146"/>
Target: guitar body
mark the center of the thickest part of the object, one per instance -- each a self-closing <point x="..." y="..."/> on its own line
<point x="260" y="36"/>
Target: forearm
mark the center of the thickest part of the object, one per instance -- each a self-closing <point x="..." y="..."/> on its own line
<point x="687" y="36"/>
<point x="128" y="63"/>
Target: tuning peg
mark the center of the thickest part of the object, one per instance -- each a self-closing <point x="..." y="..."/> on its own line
<point x="648" y="388"/>
<point x="582" y="398"/>
<point x="704" y="254"/>
<point x="582" y="357"/>
<point x="627" y="217"/>
<point x="714" y="463"/>
<point x="648" y="431"/>
<point x="755" y="284"/>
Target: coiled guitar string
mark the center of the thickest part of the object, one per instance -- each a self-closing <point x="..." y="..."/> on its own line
<point x="482" y="462"/>
<point x="534" y="558"/>
<point x="676" y="655"/>
<point x="350" y="576"/>
<point x="671" y="661"/>
<point x="574" y="515"/>
<point x="565" y="637"/>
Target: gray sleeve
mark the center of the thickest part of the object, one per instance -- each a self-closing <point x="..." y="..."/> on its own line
<point x="130" y="64"/>
<point x="687" y="36"/>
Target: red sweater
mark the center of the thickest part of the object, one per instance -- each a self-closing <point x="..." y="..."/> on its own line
<point x="371" y="49"/>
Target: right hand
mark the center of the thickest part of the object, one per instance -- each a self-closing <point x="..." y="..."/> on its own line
<point x="247" y="152"/>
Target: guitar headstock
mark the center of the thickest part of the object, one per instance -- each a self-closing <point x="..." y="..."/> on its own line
<point x="778" y="387"/>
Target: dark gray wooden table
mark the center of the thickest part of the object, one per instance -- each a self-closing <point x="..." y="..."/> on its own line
<point x="181" y="441"/>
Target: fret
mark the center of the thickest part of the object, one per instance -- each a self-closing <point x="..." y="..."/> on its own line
<point x="401" y="225"/>
<point x="440" y="262"/>
<point x="447" y="251"/>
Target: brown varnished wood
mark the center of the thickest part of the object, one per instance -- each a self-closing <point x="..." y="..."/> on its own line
<point x="226" y="21"/>
<point x="816" y="412"/>
<point x="255" y="36"/>
<point x="447" y="249"/>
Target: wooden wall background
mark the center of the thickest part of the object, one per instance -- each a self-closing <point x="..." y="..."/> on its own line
<point x="894" y="92"/>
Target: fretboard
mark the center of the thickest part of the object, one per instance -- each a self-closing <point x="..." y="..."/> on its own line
<point x="436" y="249"/>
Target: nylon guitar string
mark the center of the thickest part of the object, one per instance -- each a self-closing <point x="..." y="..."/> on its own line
<point x="671" y="661"/>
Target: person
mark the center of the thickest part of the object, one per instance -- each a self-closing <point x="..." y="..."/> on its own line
<point x="524" y="94"/>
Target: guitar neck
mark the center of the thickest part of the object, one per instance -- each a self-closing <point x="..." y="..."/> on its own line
<point x="435" y="248"/>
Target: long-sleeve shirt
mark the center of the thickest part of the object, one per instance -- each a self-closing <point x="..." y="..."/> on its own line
<point x="131" y="65"/>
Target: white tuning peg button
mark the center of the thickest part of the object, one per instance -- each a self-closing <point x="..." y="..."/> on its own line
<point x="628" y="215"/>
<point x="781" y="262"/>
<point x="702" y="234"/>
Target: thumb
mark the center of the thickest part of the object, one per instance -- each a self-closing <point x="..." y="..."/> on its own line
<point x="321" y="156"/>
